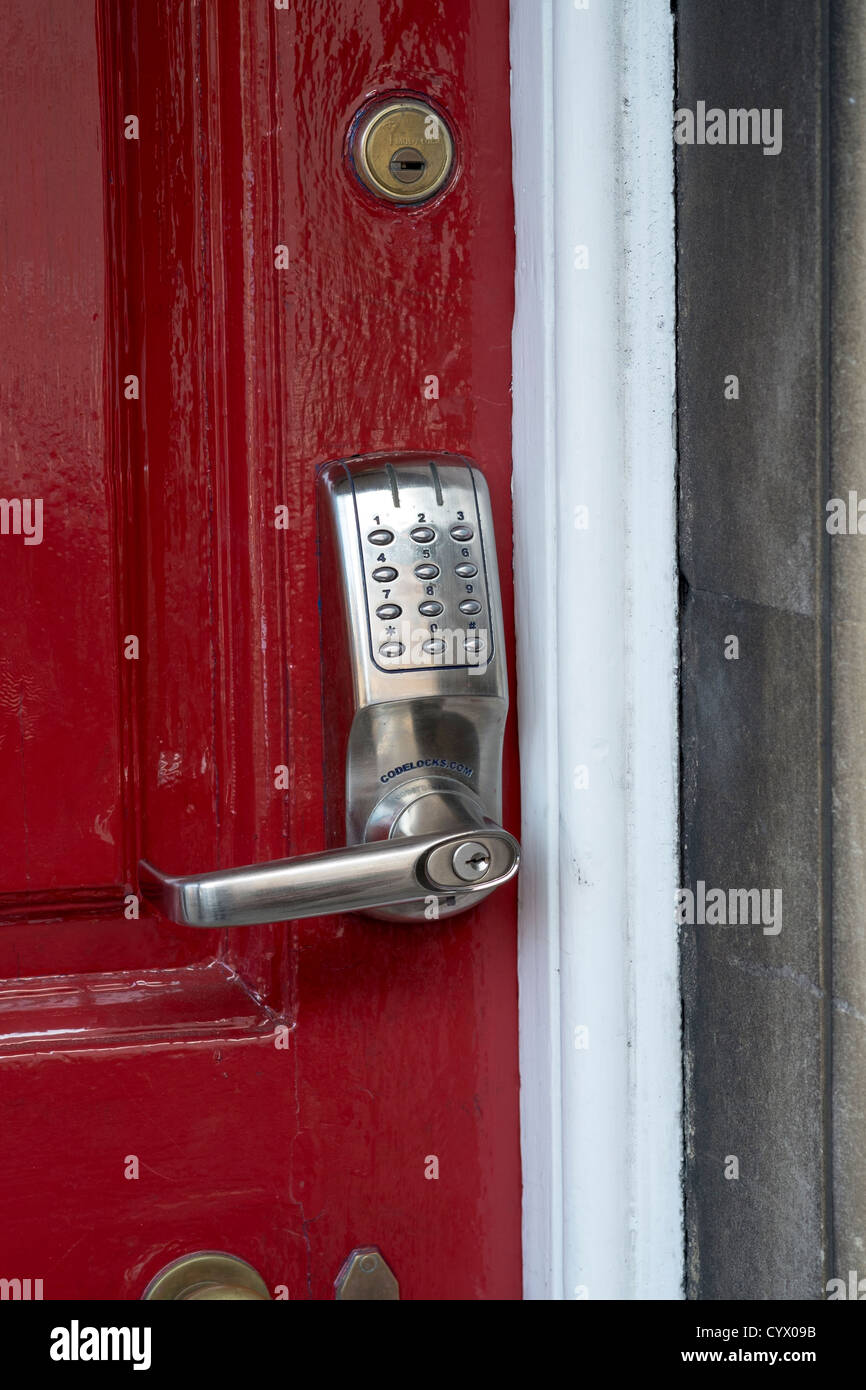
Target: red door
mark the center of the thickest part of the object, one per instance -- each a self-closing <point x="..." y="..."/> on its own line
<point x="201" y="305"/>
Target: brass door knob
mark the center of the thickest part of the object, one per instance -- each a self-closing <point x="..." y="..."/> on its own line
<point x="208" y="1274"/>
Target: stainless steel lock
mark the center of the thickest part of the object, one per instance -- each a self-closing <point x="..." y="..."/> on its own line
<point x="415" y="704"/>
<point x="415" y="684"/>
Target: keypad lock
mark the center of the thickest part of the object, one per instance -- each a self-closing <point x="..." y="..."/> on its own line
<point x="415" y="683"/>
<point x="415" y="700"/>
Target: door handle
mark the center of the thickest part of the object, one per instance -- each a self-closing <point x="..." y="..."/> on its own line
<point x="410" y="869"/>
<point x="207" y="1275"/>
<point x="415" y="699"/>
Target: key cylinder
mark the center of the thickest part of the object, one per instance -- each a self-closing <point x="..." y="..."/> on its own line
<point x="402" y="150"/>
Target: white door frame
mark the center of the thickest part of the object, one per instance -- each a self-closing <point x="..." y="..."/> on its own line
<point x="594" y="360"/>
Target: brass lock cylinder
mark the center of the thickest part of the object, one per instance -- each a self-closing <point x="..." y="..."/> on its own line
<point x="402" y="150"/>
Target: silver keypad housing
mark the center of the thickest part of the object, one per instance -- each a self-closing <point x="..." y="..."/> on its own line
<point x="433" y="515"/>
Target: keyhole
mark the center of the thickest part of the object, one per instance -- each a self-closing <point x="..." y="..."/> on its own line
<point x="407" y="165"/>
<point x="470" y="860"/>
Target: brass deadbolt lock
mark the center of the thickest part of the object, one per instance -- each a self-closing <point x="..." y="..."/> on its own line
<point x="402" y="150"/>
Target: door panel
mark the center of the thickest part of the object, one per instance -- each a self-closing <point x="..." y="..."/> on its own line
<point x="282" y="1088"/>
<point x="61" y="811"/>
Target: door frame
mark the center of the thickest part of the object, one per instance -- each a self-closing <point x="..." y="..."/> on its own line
<point x="597" y="647"/>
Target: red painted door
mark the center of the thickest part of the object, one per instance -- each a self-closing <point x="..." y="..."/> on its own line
<point x="170" y="380"/>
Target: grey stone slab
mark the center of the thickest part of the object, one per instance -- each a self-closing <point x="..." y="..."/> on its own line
<point x="755" y="1000"/>
<point x="847" y="228"/>
<point x="749" y="304"/>
<point x="752" y="298"/>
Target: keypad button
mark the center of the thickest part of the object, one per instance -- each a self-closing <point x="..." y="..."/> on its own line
<point x="462" y="533"/>
<point x="427" y="571"/>
<point x="464" y="571"/>
<point x="434" y="646"/>
<point x="430" y="608"/>
<point x="388" y="610"/>
<point x="382" y="537"/>
<point x="470" y="605"/>
<point x="474" y="645"/>
<point x="422" y="534"/>
<point x="385" y="574"/>
<point x="390" y="650"/>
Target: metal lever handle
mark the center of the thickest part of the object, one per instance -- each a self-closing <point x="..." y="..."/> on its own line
<point x="406" y="869"/>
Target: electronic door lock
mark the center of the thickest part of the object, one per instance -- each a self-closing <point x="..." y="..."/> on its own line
<point x="416" y="697"/>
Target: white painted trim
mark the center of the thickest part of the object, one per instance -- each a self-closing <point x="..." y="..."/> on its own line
<point x="592" y="102"/>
